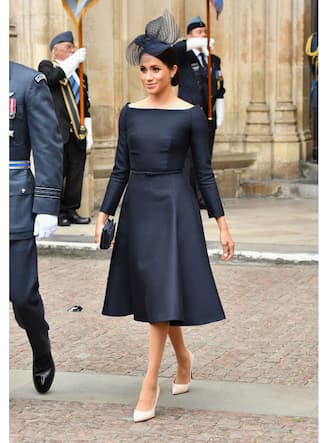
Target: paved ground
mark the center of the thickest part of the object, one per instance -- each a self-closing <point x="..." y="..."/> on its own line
<point x="256" y="373"/>
<point x="269" y="337"/>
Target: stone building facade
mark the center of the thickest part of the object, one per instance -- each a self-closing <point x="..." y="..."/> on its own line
<point x="267" y="129"/>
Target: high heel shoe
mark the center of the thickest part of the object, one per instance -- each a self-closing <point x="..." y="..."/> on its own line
<point x="146" y="415"/>
<point x="182" y="388"/>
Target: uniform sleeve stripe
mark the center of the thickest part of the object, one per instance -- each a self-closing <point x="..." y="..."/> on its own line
<point x="46" y="188"/>
<point x="54" y="197"/>
<point x="47" y="192"/>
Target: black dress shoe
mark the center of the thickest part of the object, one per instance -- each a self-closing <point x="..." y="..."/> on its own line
<point x="44" y="377"/>
<point x="63" y="221"/>
<point x="75" y="218"/>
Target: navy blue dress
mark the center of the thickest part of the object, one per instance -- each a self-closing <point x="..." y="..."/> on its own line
<point x="159" y="268"/>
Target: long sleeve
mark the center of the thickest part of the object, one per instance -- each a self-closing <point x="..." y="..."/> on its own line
<point x="180" y="50"/>
<point x="120" y="173"/>
<point x="47" y="148"/>
<point x="202" y="163"/>
<point x="53" y="73"/>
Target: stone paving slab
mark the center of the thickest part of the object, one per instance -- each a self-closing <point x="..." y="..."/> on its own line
<point x="270" y="399"/>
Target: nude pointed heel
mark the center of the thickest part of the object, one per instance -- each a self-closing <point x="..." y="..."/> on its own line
<point x="146" y="415"/>
<point x="182" y="388"/>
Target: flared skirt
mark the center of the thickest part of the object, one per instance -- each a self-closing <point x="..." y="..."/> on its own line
<point x="159" y="269"/>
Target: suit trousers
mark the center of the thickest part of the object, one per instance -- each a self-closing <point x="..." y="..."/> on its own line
<point x="74" y="159"/>
<point x="25" y="297"/>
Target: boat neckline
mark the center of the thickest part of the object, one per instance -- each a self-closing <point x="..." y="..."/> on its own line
<point x="161" y="109"/>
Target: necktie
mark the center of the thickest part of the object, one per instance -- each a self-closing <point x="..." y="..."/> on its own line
<point x="203" y="59"/>
<point x="75" y="87"/>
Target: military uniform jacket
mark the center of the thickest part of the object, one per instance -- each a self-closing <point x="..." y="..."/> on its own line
<point x="189" y="88"/>
<point x="54" y="75"/>
<point x="33" y="130"/>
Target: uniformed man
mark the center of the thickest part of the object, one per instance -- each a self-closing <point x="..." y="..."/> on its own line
<point x="312" y="52"/>
<point x="63" y="79"/>
<point x="34" y="204"/>
<point x="193" y="83"/>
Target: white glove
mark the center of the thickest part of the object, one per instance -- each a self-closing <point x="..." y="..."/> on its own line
<point x="199" y="43"/>
<point x="45" y="225"/>
<point x="89" y="136"/>
<point x="219" y="107"/>
<point x="71" y="63"/>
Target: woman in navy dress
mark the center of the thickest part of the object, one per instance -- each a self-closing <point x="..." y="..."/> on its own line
<point x="160" y="271"/>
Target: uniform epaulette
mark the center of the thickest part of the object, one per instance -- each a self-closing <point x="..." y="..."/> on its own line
<point x="39" y="77"/>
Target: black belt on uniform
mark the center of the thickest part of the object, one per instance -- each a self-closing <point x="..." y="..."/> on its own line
<point x="176" y="171"/>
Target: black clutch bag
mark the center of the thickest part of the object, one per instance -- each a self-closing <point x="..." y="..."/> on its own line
<point x="107" y="234"/>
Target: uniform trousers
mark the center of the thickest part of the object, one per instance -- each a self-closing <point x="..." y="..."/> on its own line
<point x="74" y="158"/>
<point x="24" y="294"/>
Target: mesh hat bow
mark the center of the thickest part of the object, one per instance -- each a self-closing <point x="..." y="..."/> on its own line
<point x="160" y="34"/>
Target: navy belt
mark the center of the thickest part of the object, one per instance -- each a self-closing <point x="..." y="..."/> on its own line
<point x="176" y="171"/>
<point x="19" y="164"/>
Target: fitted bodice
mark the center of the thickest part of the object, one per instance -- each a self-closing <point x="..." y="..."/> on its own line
<point x="158" y="139"/>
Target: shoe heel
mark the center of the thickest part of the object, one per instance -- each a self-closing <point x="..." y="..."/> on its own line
<point x="178" y="388"/>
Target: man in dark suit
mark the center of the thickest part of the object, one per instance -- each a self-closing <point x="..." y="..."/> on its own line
<point x="63" y="79"/>
<point x="34" y="204"/>
<point x="193" y="83"/>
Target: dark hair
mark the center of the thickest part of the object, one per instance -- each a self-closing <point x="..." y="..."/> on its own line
<point x="169" y="58"/>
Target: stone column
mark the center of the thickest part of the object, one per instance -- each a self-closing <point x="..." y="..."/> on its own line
<point x="59" y="21"/>
<point x="232" y="47"/>
<point x="286" y="147"/>
<point x="12" y="40"/>
<point x="39" y="24"/>
<point x="258" y="132"/>
<point x="20" y="44"/>
<point x="102" y="36"/>
<point x="29" y="22"/>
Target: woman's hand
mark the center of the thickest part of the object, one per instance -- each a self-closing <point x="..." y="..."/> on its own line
<point x="226" y="240"/>
<point x="228" y="246"/>
<point x="99" y="224"/>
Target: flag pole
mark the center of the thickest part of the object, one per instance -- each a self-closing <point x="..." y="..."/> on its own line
<point x="209" y="65"/>
<point x="81" y="75"/>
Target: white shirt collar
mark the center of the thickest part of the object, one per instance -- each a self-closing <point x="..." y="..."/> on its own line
<point x="197" y="52"/>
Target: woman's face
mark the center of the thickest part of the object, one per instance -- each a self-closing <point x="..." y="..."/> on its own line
<point x="155" y="75"/>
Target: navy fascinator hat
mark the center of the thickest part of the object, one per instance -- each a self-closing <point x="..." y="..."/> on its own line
<point x="160" y="34"/>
